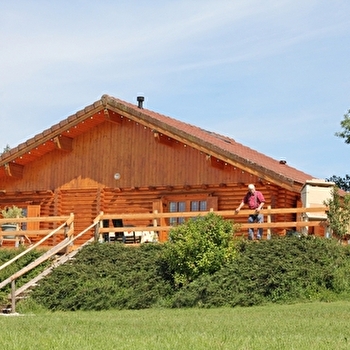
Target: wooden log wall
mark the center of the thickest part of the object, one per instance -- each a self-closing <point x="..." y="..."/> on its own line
<point x="86" y="203"/>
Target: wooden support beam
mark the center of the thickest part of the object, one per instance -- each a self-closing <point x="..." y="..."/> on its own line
<point x="163" y="139"/>
<point x="63" y="143"/>
<point x="216" y="163"/>
<point x="112" y="116"/>
<point x="14" y="170"/>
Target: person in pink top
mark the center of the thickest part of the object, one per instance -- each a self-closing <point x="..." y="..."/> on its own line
<point x="255" y="201"/>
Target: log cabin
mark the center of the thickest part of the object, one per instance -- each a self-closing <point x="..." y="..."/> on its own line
<point x="117" y="157"/>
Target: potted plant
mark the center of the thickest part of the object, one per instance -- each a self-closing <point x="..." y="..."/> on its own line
<point x="11" y="213"/>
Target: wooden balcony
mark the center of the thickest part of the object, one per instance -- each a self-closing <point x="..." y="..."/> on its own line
<point x="57" y="228"/>
<point x="307" y="219"/>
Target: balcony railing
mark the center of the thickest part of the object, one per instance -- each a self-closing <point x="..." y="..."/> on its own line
<point x="61" y="225"/>
<point x="158" y="222"/>
<point x="305" y="218"/>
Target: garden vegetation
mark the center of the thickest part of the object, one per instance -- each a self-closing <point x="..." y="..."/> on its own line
<point x="203" y="266"/>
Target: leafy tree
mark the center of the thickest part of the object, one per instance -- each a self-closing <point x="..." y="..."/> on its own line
<point x="339" y="212"/>
<point x="6" y="149"/>
<point x="345" y="124"/>
<point x="341" y="182"/>
<point x="200" y="246"/>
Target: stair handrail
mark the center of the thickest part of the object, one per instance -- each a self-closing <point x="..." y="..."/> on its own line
<point x="67" y="223"/>
<point x="63" y="244"/>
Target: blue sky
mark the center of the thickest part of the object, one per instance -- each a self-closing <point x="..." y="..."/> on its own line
<point x="273" y="75"/>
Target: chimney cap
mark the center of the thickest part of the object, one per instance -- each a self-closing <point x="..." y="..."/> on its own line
<point x="140" y="100"/>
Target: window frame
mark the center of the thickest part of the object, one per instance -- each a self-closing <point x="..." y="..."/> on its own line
<point x="175" y="202"/>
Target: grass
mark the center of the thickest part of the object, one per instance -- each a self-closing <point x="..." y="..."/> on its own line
<point x="301" y="326"/>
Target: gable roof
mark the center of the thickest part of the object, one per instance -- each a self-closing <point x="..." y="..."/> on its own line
<point x="109" y="108"/>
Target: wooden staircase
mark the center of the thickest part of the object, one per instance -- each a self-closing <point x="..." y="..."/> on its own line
<point x="62" y="252"/>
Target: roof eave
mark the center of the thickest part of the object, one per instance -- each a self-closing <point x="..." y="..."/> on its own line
<point x="50" y="133"/>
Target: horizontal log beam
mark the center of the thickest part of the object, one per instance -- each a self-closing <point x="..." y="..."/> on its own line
<point x="224" y="213"/>
<point x="129" y="229"/>
<point x="37" y="219"/>
<point x="28" y="233"/>
<point x="282" y="224"/>
<point x="241" y="227"/>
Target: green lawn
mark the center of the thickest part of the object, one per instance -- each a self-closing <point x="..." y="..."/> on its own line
<point x="302" y="326"/>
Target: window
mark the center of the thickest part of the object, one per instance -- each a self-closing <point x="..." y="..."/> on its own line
<point x="198" y="205"/>
<point x="189" y="204"/>
<point x="175" y="207"/>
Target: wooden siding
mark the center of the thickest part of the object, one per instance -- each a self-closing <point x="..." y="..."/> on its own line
<point x="131" y="150"/>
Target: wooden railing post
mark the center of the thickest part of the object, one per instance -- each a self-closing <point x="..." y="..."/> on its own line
<point x="155" y="224"/>
<point x="71" y="224"/>
<point x="69" y="231"/>
<point x="269" y="221"/>
<point x="17" y="229"/>
<point x="305" y="229"/>
<point x="13" y="296"/>
<point x="155" y="221"/>
<point x="98" y="234"/>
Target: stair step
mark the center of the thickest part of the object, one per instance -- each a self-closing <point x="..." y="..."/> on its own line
<point x="57" y="255"/>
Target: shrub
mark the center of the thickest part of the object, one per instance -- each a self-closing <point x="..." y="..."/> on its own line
<point x="105" y="276"/>
<point x="8" y="254"/>
<point x="279" y="270"/>
<point x="200" y="246"/>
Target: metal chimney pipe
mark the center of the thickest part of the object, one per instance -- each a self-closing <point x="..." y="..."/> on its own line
<point x="140" y="100"/>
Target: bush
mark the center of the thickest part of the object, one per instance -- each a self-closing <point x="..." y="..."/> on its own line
<point x="105" y="276"/>
<point x="280" y="270"/>
<point x="200" y="246"/>
<point x="8" y="254"/>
